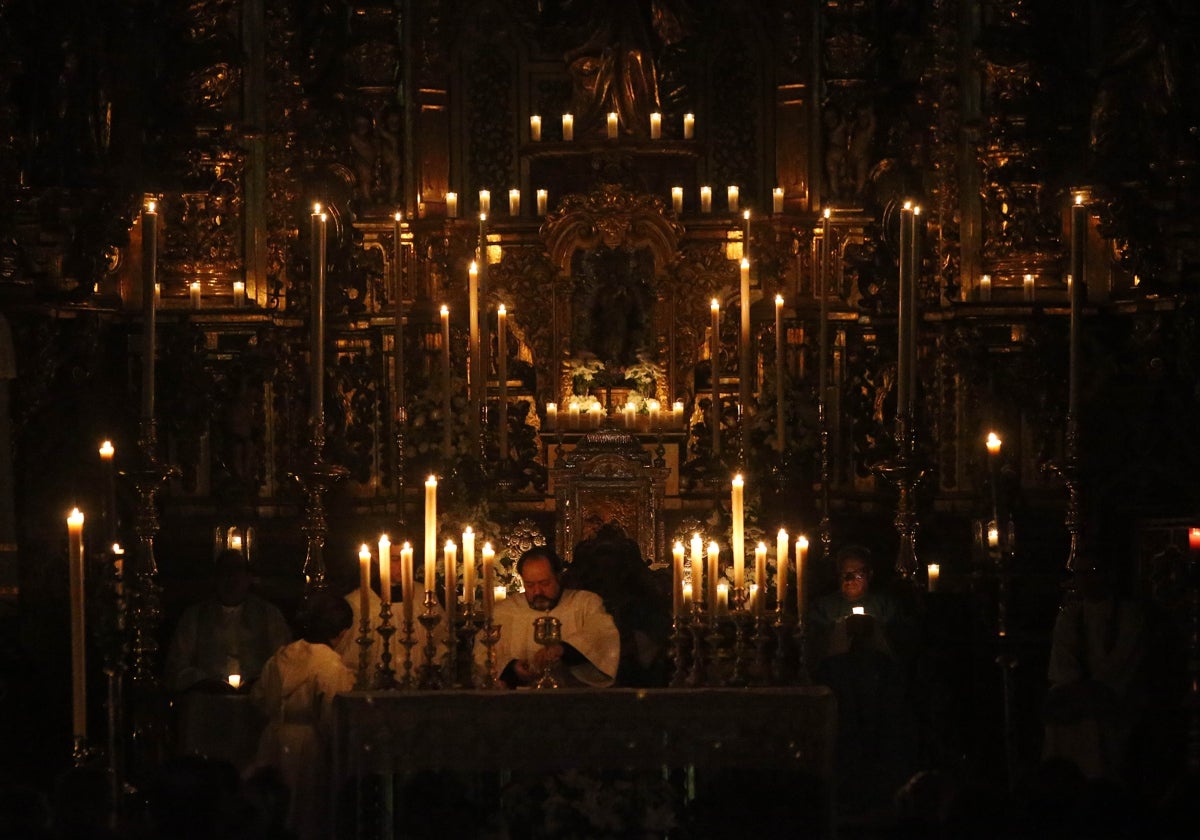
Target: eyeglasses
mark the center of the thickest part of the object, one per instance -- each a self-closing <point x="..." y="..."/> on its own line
<point x="850" y="577"/>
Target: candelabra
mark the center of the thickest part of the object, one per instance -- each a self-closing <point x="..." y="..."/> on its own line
<point x="430" y="620"/>
<point x="904" y="473"/>
<point x="740" y="617"/>
<point x="466" y="627"/>
<point x="316" y="477"/>
<point x="718" y="653"/>
<point x="408" y="640"/>
<point x="385" y="675"/>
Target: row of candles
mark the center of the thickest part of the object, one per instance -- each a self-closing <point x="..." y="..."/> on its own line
<point x="732" y="200"/>
<point x="612" y="126"/>
<point x="588" y="412"/>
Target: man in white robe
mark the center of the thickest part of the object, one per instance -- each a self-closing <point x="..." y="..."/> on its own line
<point x="591" y="646"/>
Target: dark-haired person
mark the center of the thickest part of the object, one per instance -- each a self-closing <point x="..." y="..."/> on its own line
<point x="591" y="647"/>
<point x="296" y="694"/>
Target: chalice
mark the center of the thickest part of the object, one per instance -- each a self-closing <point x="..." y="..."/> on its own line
<point x="547" y="631"/>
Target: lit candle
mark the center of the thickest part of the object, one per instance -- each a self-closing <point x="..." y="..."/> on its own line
<point x="687" y="598"/>
<point x="150" y="293"/>
<point x="551" y="416"/>
<point x="568" y="124"/>
<point x="655" y="126"/>
<point x="714" y="554"/>
<point x="1076" y="293"/>
<point x="235" y="541"/>
<point x="595" y="415"/>
<point x="714" y="353"/>
<point x="760" y="574"/>
<point x="478" y="380"/>
<point x="489" y="580"/>
<point x="535" y="128"/>
<point x="573" y="415"/>
<point x="502" y="376"/>
<point x="1194" y="539"/>
<point x="677" y="414"/>
<point x="801" y="552"/>
<point x="779" y="372"/>
<point x="452" y="205"/>
<point x="118" y="555"/>
<point x="485" y="201"/>
<point x="446" y="391"/>
<point x="654" y="408"/>
<point x="689" y="126"/>
<point x="777" y="200"/>
<point x="450" y="567"/>
<point x="235" y="681"/>
<point x="500" y="593"/>
<point x="993" y="535"/>
<point x="906" y="300"/>
<point x="781" y="568"/>
<point x="430" y="533"/>
<point x="933" y="571"/>
<point x="731" y="193"/>
<point x="78" y="649"/>
<point x="737" y="536"/>
<point x="697" y="564"/>
<point x="543" y="199"/>
<point x="985" y="287"/>
<point x="858" y="610"/>
<point x="317" y="326"/>
<point x="752" y="602"/>
<point x="1029" y="288"/>
<point x="677" y="579"/>
<point x="677" y="200"/>
<point x="406" y="580"/>
<point x="722" y="597"/>
<point x="385" y="569"/>
<point x="745" y="370"/>
<point x="107" y="453"/>
<point x="706" y="199"/>
<point x="239" y="293"/>
<point x="364" y="579"/>
<point x="468" y="542"/>
<point x="612" y="125"/>
<point x="630" y="415"/>
<point x="514" y="202"/>
<point x="194" y="292"/>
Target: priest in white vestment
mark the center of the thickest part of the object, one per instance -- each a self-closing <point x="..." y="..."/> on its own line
<point x="590" y="648"/>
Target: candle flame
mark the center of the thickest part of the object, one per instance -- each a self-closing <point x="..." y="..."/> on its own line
<point x="75" y="517"/>
<point x="151" y="206"/>
<point x="737" y="480"/>
<point x="993" y="442"/>
<point x="779" y="300"/>
<point x="106" y="450"/>
<point x="431" y="481"/>
<point x="1079" y="198"/>
<point x="825" y="213"/>
<point x="399" y="217"/>
<point x="117" y="550"/>
<point x="316" y="208"/>
<point x="917" y="210"/>
<point x="715" y="305"/>
<point x="483" y="217"/>
<point x="445" y="310"/>
<point x="745" y="263"/>
<point x="802" y="541"/>
<point x="473" y="268"/>
<point x="364" y="552"/>
<point x="501" y="310"/>
<point x="908" y="205"/>
<point x="746" y="215"/>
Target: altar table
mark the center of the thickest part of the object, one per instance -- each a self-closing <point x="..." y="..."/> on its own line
<point x="789" y="732"/>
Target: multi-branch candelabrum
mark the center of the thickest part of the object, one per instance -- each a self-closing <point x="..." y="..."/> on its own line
<point x="719" y="649"/>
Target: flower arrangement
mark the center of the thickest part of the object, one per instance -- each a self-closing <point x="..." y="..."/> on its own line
<point x="583" y="370"/>
<point x="645" y="376"/>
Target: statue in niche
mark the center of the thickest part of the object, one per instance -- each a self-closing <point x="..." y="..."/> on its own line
<point x="613" y="303"/>
<point x="614" y="69"/>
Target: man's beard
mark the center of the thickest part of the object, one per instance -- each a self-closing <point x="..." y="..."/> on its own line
<point x="544" y="603"/>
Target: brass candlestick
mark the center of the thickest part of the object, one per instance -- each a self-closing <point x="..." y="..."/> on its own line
<point x="430" y="619"/>
<point x="385" y="675"/>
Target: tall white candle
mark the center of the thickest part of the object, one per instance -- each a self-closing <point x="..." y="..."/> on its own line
<point x="904" y="352"/>
<point x="150" y="291"/>
<point x="697" y="565"/>
<point x="934" y="572"/>
<point x="502" y="376"/>
<point x="385" y="568"/>
<point x="317" y="350"/>
<point x="468" y="543"/>
<point x="446" y="390"/>
<point x="488" y="556"/>
<point x="780" y="369"/>
<point x="551" y="416"/>
<point x="985" y="287"/>
<point x="1076" y="292"/>
<point x="239" y="293"/>
<point x="478" y="380"/>
<point x="407" y="592"/>
<point x="677" y="579"/>
<point x="714" y="575"/>
<point x="655" y="126"/>
<point x="801" y="553"/>
<point x="714" y="351"/>
<point x="194" y="292"/>
<point x="535" y="128"/>
<point x="430" y="533"/>
<point x="737" y="535"/>
<point x="78" y="648"/>
<point x="745" y="369"/>
<point x="568" y="127"/>
<point x="781" y="568"/>
<point x="1029" y="288"/>
<point x="364" y="579"/>
<point x="451" y="570"/>
<point x="760" y="575"/>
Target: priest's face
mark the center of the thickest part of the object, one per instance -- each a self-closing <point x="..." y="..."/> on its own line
<point x="542" y="589"/>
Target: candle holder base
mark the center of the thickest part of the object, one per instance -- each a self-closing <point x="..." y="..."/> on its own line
<point x="408" y="641"/>
<point x="490" y="638"/>
<point x="385" y="675"/>
<point x="430" y="673"/>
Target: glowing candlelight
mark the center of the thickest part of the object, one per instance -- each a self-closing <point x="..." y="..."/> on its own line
<point x="655" y="126"/>
<point x="385" y="568"/>
<point x="468" y="563"/>
<point x="535" y="128"/>
<point x="612" y="125"/>
<point x="779" y="372"/>
<point x="478" y="379"/>
<point x="194" y="293"/>
<point x="677" y="414"/>
<point x="239" y="293"/>
<point x="1029" y="288"/>
<point x="737" y="536"/>
<point x="677" y="200"/>
<point x="407" y="595"/>
<point x="993" y="444"/>
<point x="235" y="681"/>
<point x="568" y="127"/>
<point x="777" y="200"/>
<point x="985" y="287"/>
<point x="452" y="205"/>
<point x="722" y="597"/>
<point x="430" y="533"/>
<point x="993" y="535"/>
<point x="714" y="554"/>
<point x="760" y="574"/>
<point x="364" y="579"/>
<point x="543" y="199"/>
<point x="781" y="568"/>
<point x="1194" y="539"/>
<point x="933" y="572"/>
<point x="689" y="126"/>
<point x="745" y="371"/>
<point x="514" y="202"/>
<point x="801" y="552"/>
<point x="488" y="556"/>
<point x="78" y="647"/>
<point x="696" y="563"/>
<point x="858" y="610"/>
<point x="551" y="416"/>
<point x="485" y="201"/>
<point x="706" y="199"/>
<point x="500" y="593"/>
<point x="677" y="579"/>
<point x="731" y="194"/>
<point x="450" y="567"/>
<point x="714" y="352"/>
<point x="502" y="376"/>
<point x="446" y="382"/>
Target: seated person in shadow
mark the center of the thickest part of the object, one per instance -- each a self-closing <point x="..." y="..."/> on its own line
<point x="611" y="565"/>
<point x="828" y="615"/>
